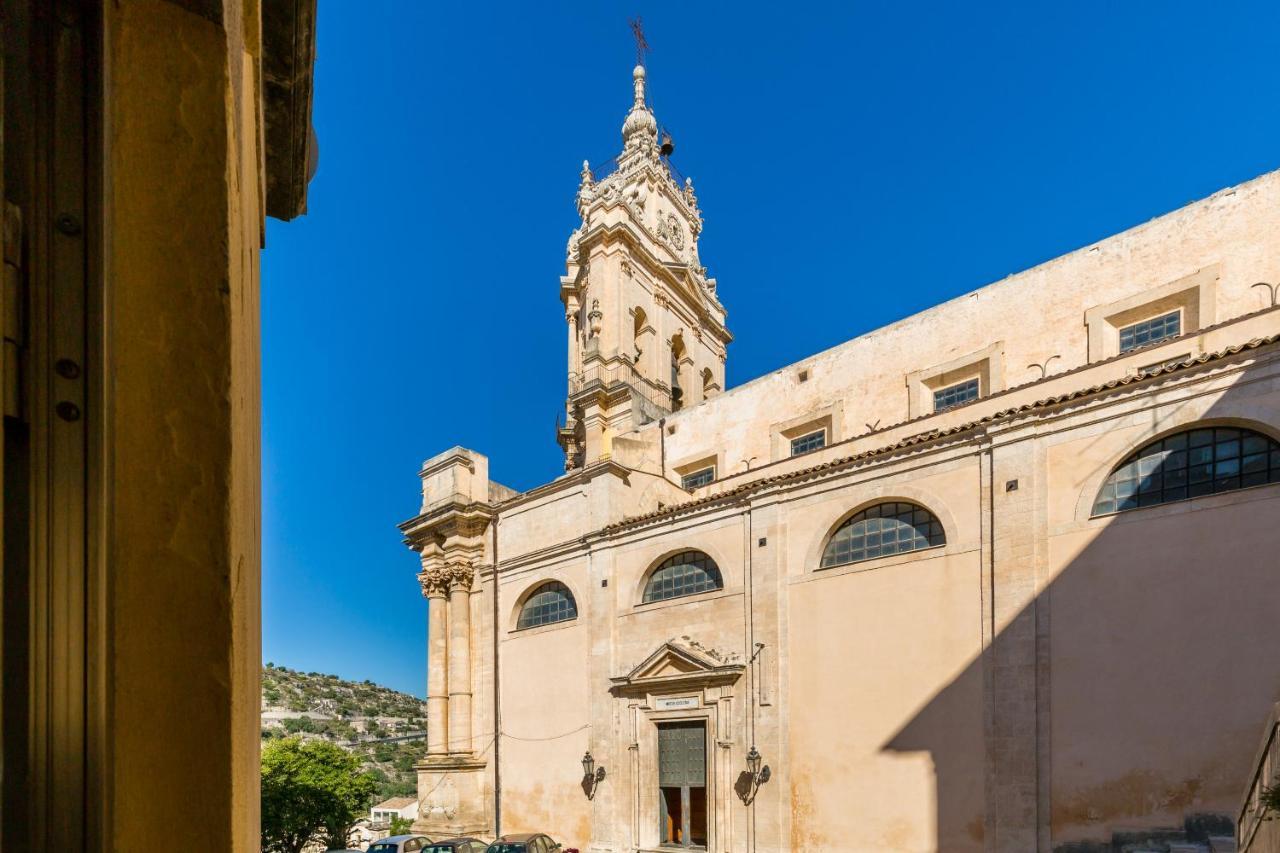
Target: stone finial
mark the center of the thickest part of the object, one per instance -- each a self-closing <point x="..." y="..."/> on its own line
<point x="640" y="127"/>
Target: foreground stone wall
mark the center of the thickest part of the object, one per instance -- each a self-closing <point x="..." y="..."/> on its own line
<point x="184" y="209"/>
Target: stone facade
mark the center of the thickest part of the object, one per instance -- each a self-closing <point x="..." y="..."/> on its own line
<point x="1041" y="676"/>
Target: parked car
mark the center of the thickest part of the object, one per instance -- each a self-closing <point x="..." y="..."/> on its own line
<point x="455" y="845"/>
<point x="400" y="844"/>
<point x="532" y="842"/>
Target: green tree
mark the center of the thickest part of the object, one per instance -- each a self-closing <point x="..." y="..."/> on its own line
<point x="311" y="790"/>
<point x="293" y="725"/>
<point x="401" y="825"/>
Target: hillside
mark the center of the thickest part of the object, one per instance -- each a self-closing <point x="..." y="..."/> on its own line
<point x="357" y="716"/>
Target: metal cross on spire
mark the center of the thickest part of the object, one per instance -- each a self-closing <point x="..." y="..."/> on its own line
<point x="642" y="46"/>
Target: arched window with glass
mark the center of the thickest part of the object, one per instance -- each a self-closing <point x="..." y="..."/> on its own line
<point x="550" y="603"/>
<point x="1189" y="464"/>
<point x="686" y="573"/>
<point x="894" y="527"/>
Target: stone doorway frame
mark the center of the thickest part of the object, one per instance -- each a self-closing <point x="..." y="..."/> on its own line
<point x="679" y="684"/>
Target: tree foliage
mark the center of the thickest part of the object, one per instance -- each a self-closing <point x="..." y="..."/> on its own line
<point x="1271" y="800"/>
<point x="401" y="825"/>
<point x="311" y="790"/>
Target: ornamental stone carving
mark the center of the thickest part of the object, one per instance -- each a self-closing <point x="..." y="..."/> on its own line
<point x="595" y="318"/>
<point x="571" y="251"/>
<point x="461" y="576"/>
<point x="435" y="580"/>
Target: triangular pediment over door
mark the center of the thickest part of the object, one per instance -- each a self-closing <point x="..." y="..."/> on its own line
<point x="673" y="667"/>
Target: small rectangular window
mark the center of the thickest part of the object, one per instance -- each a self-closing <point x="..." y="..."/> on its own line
<point x="1151" y="331"/>
<point x="698" y="478"/>
<point x="808" y="443"/>
<point x="955" y="395"/>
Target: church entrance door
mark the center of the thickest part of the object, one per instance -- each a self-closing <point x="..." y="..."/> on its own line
<point x="682" y="782"/>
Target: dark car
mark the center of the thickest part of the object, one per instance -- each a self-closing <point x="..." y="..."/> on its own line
<point x="400" y="844"/>
<point x="455" y="845"/>
<point x="532" y="842"/>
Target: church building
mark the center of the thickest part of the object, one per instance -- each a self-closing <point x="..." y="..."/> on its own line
<point x="1001" y="576"/>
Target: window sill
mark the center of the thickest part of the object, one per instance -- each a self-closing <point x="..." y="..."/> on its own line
<point x="709" y="595"/>
<point x="544" y="629"/>
<point x="920" y="554"/>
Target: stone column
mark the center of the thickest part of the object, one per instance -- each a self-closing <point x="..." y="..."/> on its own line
<point x="571" y="319"/>
<point x="435" y="588"/>
<point x="460" y="659"/>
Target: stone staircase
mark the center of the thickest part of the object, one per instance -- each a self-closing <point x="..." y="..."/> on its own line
<point x="1205" y="833"/>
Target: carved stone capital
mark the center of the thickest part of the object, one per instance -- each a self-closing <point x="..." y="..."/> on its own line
<point x="461" y="576"/>
<point x="435" y="580"/>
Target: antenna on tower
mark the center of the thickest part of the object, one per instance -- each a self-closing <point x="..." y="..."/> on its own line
<point x="642" y="46"/>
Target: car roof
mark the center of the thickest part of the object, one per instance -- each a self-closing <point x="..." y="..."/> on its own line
<point x="523" y="836"/>
<point x="398" y="838"/>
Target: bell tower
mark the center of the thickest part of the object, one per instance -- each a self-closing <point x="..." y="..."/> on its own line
<point x="646" y="330"/>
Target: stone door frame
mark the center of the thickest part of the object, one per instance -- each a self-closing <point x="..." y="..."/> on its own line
<point x="703" y="692"/>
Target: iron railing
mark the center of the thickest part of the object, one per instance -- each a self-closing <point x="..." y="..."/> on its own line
<point x="619" y="374"/>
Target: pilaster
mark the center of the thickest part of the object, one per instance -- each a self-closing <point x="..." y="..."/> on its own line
<point x="450" y="535"/>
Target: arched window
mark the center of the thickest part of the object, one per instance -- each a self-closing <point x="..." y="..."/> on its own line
<point x="551" y="602"/>
<point x="637" y="328"/>
<point x="686" y="573"/>
<point x="881" y="530"/>
<point x="1189" y="464"/>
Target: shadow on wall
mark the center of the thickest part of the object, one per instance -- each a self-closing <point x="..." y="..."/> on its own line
<point x="1124" y="698"/>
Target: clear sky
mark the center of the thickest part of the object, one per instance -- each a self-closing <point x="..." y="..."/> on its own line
<point x="855" y="163"/>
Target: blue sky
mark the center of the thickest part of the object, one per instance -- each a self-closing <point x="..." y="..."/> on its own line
<point x="855" y="163"/>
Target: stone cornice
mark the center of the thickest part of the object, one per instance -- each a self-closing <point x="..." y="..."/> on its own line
<point x="455" y="517"/>
<point x="677" y="276"/>
<point x="966" y="431"/>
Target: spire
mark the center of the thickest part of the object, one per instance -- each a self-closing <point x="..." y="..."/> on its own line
<point x="640" y="126"/>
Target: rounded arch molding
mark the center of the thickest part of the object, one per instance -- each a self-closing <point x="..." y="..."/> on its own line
<point x="527" y="592"/>
<point x="654" y="563"/>
<point x="1094" y="482"/>
<point x="923" y="498"/>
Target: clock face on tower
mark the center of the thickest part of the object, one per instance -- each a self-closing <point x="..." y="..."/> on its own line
<point x="675" y="230"/>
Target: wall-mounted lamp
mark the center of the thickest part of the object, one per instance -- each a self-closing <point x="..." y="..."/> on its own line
<point x="592" y="776"/>
<point x="758" y="772"/>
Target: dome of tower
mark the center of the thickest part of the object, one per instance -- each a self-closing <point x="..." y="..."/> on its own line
<point x="638" y="121"/>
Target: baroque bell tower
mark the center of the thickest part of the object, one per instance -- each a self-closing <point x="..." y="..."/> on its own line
<point x="646" y="330"/>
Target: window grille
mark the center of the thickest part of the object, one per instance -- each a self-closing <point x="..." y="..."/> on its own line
<point x="552" y="602"/>
<point x="1190" y="464"/>
<point x="687" y="573"/>
<point x="808" y="443"/>
<point x="698" y="478"/>
<point x="955" y="395"/>
<point x="882" y="530"/>
<point x="1151" y="331"/>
